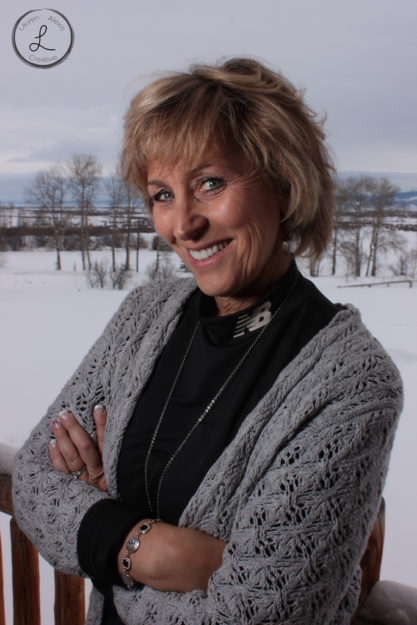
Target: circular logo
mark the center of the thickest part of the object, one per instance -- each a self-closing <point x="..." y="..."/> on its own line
<point x="42" y="38"/>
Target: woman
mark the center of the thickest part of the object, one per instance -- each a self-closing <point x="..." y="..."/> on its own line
<point x="243" y="409"/>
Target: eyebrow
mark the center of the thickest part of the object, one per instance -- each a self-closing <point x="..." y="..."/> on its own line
<point x="191" y="174"/>
<point x="199" y="167"/>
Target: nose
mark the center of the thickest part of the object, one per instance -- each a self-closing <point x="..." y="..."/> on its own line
<point x="190" y="221"/>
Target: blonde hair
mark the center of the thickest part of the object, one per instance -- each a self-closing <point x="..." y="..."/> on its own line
<point x="249" y="106"/>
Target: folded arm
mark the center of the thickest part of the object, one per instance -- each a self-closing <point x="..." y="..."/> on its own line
<point x="293" y="553"/>
<point x="170" y="558"/>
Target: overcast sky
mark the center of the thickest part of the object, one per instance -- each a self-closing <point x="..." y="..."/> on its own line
<point x="357" y="60"/>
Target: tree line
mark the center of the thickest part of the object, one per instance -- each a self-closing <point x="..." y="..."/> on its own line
<point x="367" y="220"/>
<point x="367" y="224"/>
<point x="64" y="197"/>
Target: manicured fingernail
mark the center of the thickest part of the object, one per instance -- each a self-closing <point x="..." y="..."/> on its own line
<point x="56" y="423"/>
<point x="99" y="408"/>
<point x="64" y="415"/>
<point x="52" y="442"/>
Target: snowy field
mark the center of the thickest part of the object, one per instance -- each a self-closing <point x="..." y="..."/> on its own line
<point x="49" y="319"/>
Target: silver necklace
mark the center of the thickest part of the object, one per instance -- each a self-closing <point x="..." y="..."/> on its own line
<point x="206" y="409"/>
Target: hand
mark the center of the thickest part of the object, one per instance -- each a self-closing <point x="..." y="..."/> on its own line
<point x="73" y="449"/>
<point x="171" y="558"/>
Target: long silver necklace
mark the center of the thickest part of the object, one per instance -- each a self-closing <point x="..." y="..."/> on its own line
<point x="206" y="410"/>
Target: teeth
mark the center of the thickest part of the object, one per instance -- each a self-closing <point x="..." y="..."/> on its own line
<point x="208" y="251"/>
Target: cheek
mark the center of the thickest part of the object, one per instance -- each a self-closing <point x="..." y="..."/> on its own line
<point x="259" y="234"/>
<point x="262" y="238"/>
<point x="162" y="227"/>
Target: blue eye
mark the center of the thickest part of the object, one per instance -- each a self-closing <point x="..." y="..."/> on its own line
<point x="211" y="183"/>
<point x="162" y="196"/>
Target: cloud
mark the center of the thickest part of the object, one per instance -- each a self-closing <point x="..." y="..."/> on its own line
<point x="52" y="134"/>
<point x="357" y="61"/>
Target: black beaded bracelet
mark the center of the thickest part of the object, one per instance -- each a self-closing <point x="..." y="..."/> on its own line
<point x="132" y="545"/>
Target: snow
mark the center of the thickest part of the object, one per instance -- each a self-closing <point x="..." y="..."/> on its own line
<point x="49" y="319"/>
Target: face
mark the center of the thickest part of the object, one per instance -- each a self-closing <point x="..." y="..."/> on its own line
<point x="224" y="224"/>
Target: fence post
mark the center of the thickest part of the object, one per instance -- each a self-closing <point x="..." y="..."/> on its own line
<point x="69" y="608"/>
<point x="26" y="601"/>
<point x="2" y="612"/>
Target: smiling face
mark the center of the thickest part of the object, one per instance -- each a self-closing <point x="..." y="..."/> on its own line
<point x="224" y="224"/>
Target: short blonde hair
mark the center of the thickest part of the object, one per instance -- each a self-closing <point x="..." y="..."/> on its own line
<point x="254" y="108"/>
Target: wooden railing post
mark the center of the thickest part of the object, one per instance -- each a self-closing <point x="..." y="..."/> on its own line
<point x="69" y="605"/>
<point x="26" y="603"/>
<point x="372" y="558"/>
<point x="371" y="562"/>
<point x="69" y="590"/>
<point x="6" y="505"/>
<point x="2" y="612"/>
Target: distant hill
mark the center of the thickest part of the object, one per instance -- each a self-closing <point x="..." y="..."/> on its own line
<point x="407" y="182"/>
<point x="12" y="186"/>
<point x="407" y="198"/>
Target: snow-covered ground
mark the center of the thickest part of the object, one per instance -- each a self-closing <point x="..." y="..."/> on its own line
<point x="49" y="319"/>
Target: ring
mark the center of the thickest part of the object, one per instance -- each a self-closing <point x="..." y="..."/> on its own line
<point x="77" y="474"/>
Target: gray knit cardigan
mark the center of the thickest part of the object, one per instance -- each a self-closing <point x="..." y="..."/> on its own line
<point x="295" y="493"/>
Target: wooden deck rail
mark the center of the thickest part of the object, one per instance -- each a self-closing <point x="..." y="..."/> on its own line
<point x="69" y="605"/>
<point x="408" y="281"/>
<point x="69" y="608"/>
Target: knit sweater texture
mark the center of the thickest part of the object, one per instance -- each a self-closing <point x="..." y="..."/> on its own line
<point x="294" y="494"/>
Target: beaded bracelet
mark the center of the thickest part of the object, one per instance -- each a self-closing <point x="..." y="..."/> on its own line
<point x="132" y="545"/>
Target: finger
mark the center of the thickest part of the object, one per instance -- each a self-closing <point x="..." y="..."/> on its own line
<point x="57" y="458"/>
<point x="100" y="419"/>
<point x="66" y="447"/>
<point x="81" y="443"/>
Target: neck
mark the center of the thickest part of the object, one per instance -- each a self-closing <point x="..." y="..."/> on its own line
<point x="229" y="305"/>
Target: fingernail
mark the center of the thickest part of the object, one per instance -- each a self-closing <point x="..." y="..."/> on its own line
<point x="56" y="423"/>
<point x="61" y="412"/>
<point x="64" y="415"/>
<point x="99" y="408"/>
<point x="52" y="442"/>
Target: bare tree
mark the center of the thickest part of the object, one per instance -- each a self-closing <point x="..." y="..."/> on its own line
<point x="4" y="224"/>
<point x="116" y="190"/>
<point x="140" y="243"/>
<point x="6" y="215"/>
<point x="47" y="192"/>
<point x="97" y="275"/>
<point x="162" y="268"/>
<point x="356" y="194"/>
<point x="84" y="180"/>
<point x="382" y="199"/>
<point x="406" y="264"/>
<point x="143" y="223"/>
<point x="342" y="199"/>
<point x="127" y="216"/>
<point x="314" y="266"/>
<point x="135" y="219"/>
<point x="130" y="209"/>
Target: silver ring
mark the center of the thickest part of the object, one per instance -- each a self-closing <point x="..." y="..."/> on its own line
<point x="77" y="474"/>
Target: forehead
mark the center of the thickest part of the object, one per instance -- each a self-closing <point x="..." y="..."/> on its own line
<point x="215" y="155"/>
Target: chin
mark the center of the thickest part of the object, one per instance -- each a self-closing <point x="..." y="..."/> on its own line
<point x="214" y="290"/>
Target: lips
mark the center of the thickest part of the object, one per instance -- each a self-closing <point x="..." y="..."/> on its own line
<point x="206" y="252"/>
